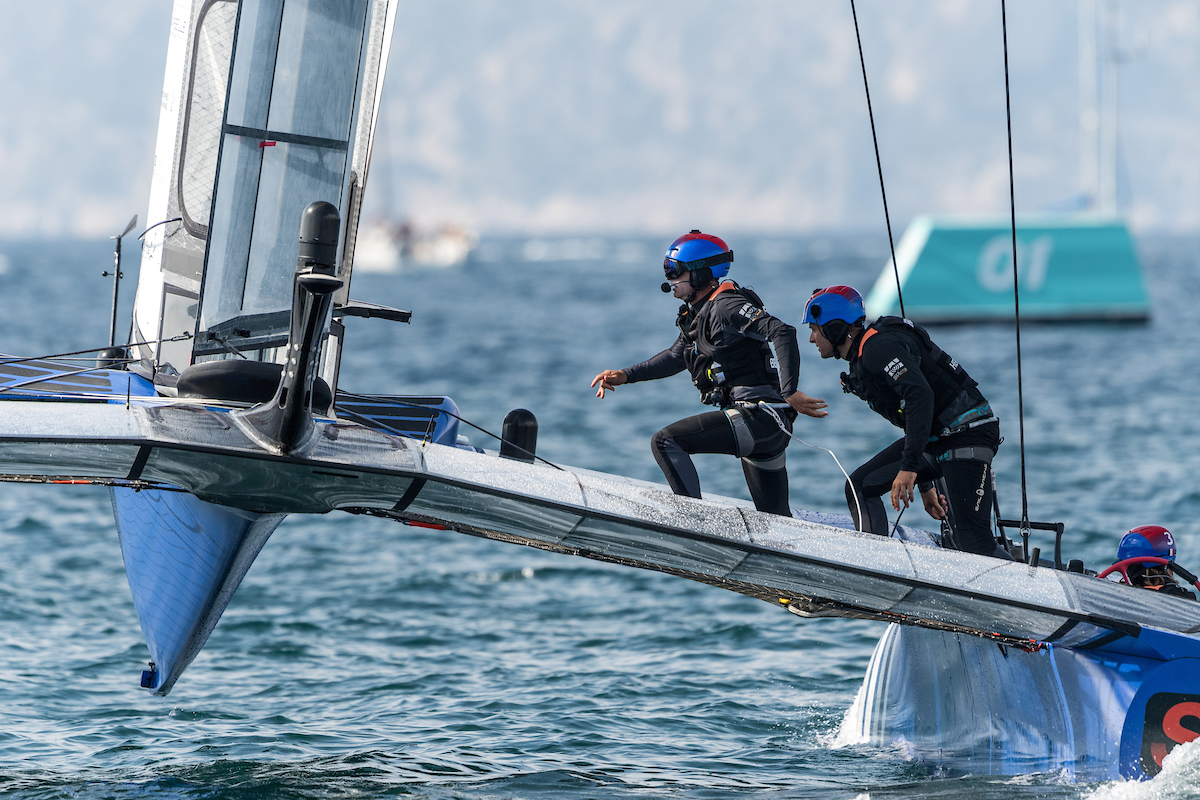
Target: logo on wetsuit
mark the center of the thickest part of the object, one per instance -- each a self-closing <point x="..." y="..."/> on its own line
<point x="895" y="369"/>
<point x="750" y="311"/>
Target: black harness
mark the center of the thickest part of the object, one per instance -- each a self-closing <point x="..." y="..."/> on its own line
<point x="957" y="401"/>
<point x="724" y="353"/>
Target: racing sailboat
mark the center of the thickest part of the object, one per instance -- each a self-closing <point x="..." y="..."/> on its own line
<point x="226" y="416"/>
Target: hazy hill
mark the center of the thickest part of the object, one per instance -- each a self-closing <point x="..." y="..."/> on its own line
<point x="515" y="115"/>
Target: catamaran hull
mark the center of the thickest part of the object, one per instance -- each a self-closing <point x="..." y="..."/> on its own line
<point x="966" y="705"/>
<point x="184" y="559"/>
<point x="202" y="451"/>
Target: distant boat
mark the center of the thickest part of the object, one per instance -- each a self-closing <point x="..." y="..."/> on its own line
<point x="1073" y="266"/>
<point x="384" y="247"/>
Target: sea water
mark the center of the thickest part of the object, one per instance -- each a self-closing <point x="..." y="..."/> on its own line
<point x="363" y="658"/>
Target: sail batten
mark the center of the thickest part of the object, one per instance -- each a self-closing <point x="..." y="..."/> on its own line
<point x="270" y="138"/>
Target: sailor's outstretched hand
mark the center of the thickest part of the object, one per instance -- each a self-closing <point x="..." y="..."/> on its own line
<point x="808" y="406"/>
<point x="902" y="489"/>
<point x="608" y="381"/>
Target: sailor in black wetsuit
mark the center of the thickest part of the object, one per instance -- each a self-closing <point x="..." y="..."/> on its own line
<point x="723" y="342"/>
<point x="949" y="429"/>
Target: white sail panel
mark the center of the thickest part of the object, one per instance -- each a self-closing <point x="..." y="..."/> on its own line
<point x="287" y="129"/>
<point x="198" y="58"/>
<point x="202" y="128"/>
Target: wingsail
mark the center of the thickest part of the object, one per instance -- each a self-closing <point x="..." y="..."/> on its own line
<point x="268" y="105"/>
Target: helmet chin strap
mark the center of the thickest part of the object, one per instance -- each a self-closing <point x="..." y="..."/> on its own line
<point x="835" y="339"/>
<point x="712" y="284"/>
<point x="700" y="278"/>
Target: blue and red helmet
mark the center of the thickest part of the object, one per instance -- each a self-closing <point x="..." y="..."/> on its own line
<point x="705" y="256"/>
<point x="1147" y="540"/>
<point x="834" y="310"/>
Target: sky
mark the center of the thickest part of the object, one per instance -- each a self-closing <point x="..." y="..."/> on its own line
<point x="607" y="116"/>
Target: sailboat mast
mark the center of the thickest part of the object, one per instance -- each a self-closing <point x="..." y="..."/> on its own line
<point x="1089" y="115"/>
<point x="1109" y="97"/>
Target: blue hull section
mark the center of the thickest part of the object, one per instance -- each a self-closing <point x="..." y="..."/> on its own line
<point x="184" y="559"/>
<point x="21" y="378"/>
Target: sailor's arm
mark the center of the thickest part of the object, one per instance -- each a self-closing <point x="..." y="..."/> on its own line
<point x="787" y="350"/>
<point x="667" y="363"/>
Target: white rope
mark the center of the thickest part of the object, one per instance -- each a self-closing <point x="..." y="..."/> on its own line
<point x="778" y="421"/>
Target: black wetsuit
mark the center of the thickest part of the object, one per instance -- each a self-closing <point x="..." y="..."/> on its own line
<point x="1174" y="590"/>
<point x="723" y="343"/>
<point x="1138" y="575"/>
<point x="949" y="429"/>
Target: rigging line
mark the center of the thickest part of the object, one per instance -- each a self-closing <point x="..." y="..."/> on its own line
<point x="392" y="400"/>
<point x="878" y="161"/>
<point x="181" y="337"/>
<point x="1012" y="207"/>
<point x="775" y="416"/>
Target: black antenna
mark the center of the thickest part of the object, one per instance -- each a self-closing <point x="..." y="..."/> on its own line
<point x="878" y="161"/>
<point x="1012" y="206"/>
<point x="117" y="275"/>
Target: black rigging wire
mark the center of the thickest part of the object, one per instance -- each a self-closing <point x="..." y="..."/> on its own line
<point x="181" y="337"/>
<point x="1012" y="206"/>
<point x="878" y="160"/>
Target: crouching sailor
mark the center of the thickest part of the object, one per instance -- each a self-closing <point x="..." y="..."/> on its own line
<point x="1155" y="541"/>
<point x="723" y="342"/>
<point x="949" y="429"/>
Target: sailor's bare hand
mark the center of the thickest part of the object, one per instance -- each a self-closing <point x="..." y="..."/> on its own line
<point x="608" y="381"/>
<point x="935" y="503"/>
<point x="902" y="488"/>
<point x="808" y="406"/>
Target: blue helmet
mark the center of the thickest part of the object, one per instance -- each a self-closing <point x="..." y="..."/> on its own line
<point x="834" y="310"/>
<point x="1147" y="540"/>
<point x="705" y="256"/>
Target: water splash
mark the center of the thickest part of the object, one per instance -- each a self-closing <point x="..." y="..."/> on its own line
<point x="1179" y="779"/>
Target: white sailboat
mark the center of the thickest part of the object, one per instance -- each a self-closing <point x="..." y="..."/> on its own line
<point x="386" y="248"/>
<point x="228" y="418"/>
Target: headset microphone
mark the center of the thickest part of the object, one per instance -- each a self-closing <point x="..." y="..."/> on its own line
<point x="666" y="287"/>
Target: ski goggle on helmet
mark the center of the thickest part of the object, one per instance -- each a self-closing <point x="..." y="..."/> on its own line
<point x="704" y="255"/>
<point x="1147" y="540"/>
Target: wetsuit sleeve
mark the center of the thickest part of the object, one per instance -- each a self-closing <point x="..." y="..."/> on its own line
<point x="787" y="350"/>
<point x="896" y="367"/>
<point x="667" y="363"/>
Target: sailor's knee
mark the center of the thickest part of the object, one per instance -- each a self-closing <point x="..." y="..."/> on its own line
<point x="775" y="463"/>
